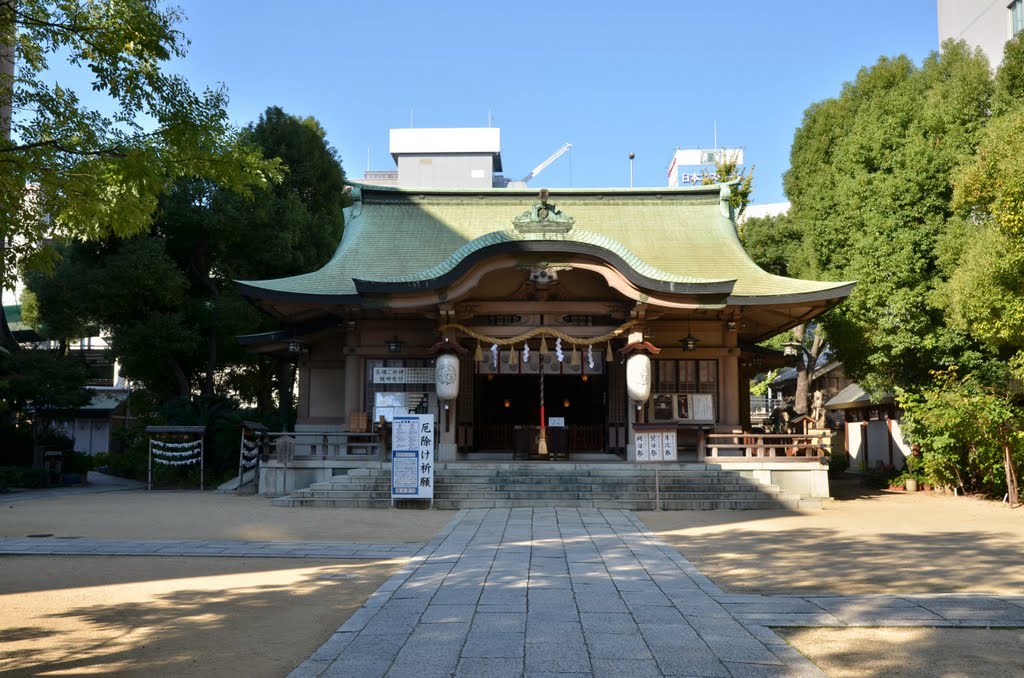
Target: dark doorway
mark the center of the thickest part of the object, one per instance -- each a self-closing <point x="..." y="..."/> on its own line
<point x="503" y="402"/>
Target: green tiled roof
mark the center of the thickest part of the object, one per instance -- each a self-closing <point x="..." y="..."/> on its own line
<point x="667" y="235"/>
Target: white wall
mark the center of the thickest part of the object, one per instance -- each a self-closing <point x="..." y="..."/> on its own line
<point x="980" y="23"/>
<point x="868" y="445"/>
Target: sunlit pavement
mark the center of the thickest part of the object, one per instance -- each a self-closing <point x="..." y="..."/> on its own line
<point x="566" y="592"/>
<point x="589" y="592"/>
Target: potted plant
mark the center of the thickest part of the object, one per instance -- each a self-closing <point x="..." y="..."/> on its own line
<point x="914" y="474"/>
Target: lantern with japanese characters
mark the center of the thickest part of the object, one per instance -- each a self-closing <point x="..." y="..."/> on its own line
<point x="638" y="377"/>
<point x="446" y="376"/>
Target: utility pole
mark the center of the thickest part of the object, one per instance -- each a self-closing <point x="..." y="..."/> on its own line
<point x="631" y="156"/>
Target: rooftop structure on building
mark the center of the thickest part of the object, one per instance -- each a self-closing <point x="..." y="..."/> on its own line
<point x="447" y="157"/>
<point x="691" y="166"/>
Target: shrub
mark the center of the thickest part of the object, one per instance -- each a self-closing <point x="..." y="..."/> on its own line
<point x="77" y="462"/>
<point x="838" y="463"/>
<point x="18" y="476"/>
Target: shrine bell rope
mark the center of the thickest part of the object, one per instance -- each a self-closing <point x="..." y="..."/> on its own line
<point x="540" y="332"/>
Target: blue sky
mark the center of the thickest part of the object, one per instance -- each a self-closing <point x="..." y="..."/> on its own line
<point x="611" y="78"/>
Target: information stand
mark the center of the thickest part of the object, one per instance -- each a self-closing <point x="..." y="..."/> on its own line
<point x="412" y="457"/>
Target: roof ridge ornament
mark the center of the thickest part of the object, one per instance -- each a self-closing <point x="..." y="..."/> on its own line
<point x="543" y="217"/>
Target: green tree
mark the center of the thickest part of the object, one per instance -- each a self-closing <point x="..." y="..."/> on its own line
<point x="969" y="433"/>
<point x="93" y="173"/>
<point x="218" y="236"/>
<point x="728" y="170"/>
<point x="871" y="188"/>
<point x="167" y="300"/>
<point x="776" y="244"/>
<point x="985" y="294"/>
<point x="38" y="387"/>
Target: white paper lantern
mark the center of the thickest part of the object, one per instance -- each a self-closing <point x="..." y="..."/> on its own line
<point x="638" y="377"/>
<point x="446" y="376"/>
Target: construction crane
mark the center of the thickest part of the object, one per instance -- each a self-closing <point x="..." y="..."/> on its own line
<point x="551" y="158"/>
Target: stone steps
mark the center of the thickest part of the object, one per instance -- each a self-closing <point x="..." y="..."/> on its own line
<point x="684" y="486"/>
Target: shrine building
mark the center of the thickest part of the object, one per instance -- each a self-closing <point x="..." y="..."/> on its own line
<point x="530" y="302"/>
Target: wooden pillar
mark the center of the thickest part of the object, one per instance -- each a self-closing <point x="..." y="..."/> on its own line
<point x="728" y="396"/>
<point x="353" y="385"/>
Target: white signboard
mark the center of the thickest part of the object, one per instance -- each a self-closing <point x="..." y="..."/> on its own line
<point x="412" y="449"/>
<point x="390" y="405"/>
<point x="403" y="375"/>
<point x="556" y="422"/>
<point x="702" y="407"/>
<point x="653" y="446"/>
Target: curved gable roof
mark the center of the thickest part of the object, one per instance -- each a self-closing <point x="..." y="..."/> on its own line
<point x="674" y="239"/>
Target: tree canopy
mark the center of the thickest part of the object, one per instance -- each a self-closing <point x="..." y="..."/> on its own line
<point x="871" y="187"/>
<point x="74" y="171"/>
<point x="910" y="183"/>
<point x="167" y="299"/>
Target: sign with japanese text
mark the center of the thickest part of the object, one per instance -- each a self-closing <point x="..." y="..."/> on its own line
<point x="412" y="464"/>
<point x="403" y="375"/>
<point x="654" y="446"/>
<point x="702" y="407"/>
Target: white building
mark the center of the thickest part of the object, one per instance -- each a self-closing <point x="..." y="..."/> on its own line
<point x="464" y="157"/>
<point x="987" y="24"/>
<point x="689" y="166"/>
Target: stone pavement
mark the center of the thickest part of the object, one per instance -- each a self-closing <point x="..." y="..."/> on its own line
<point x="590" y="592"/>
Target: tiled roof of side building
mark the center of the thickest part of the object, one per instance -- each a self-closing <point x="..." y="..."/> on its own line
<point x="672" y="236"/>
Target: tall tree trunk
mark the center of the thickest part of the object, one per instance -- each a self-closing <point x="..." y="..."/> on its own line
<point x="801" y="402"/>
<point x="807" y="361"/>
<point x="184" y="387"/>
<point x="201" y="266"/>
<point x="7" y="57"/>
<point x="211" y="362"/>
<point x="1011" y="477"/>
<point x="285" y="385"/>
<point x="264" y="385"/>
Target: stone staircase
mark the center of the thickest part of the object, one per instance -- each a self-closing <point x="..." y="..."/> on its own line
<point x="683" y="486"/>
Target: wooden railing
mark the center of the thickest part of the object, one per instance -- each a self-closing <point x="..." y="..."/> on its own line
<point x="288" y="445"/>
<point x="752" y="445"/>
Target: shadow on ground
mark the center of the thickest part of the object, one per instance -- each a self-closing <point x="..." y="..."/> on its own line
<point x="878" y="652"/>
<point x="191" y="616"/>
<point x="821" y="561"/>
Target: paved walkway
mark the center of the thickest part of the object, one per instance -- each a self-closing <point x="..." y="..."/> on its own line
<point x="97" y="483"/>
<point x="572" y="593"/>
<point x="589" y="592"/>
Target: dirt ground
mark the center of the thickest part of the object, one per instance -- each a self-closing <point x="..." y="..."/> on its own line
<point x="170" y="616"/>
<point x="866" y="541"/>
<point x="174" y="616"/>
<point x="870" y="541"/>
<point x="912" y="652"/>
<point x="240" y="616"/>
<point x="209" y="515"/>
